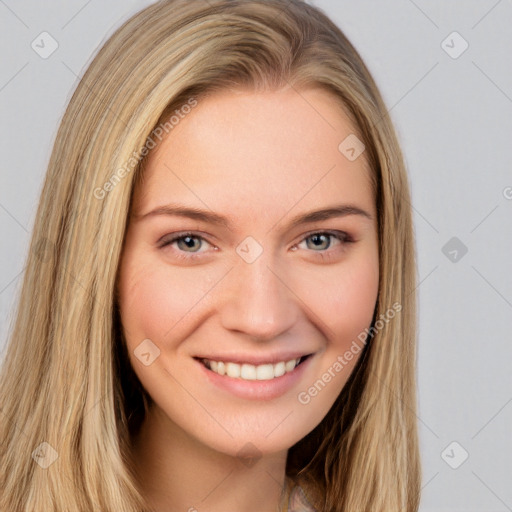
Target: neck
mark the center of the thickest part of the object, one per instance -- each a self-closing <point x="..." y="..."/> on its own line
<point x="178" y="473"/>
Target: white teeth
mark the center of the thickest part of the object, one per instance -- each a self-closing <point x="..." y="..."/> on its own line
<point x="233" y="370"/>
<point x="265" y="371"/>
<point x="290" y="365"/>
<point x="250" y="372"/>
<point x="279" y="369"/>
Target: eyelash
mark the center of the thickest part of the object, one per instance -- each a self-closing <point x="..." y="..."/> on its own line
<point x="341" y="236"/>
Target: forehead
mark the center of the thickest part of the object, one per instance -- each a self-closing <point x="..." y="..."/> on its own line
<point x="242" y="149"/>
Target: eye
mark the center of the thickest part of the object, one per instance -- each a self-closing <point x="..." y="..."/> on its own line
<point x="321" y="241"/>
<point x="188" y="244"/>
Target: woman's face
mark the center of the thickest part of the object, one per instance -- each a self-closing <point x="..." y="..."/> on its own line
<point x="249" y="285"/>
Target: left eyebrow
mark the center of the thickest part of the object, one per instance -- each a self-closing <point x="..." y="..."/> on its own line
<point x="341" y="210"/>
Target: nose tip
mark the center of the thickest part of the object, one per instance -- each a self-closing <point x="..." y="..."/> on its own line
<point x="258" y="302"/>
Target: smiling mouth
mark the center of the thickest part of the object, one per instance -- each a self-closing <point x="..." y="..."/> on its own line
<point x="247" y="371"/>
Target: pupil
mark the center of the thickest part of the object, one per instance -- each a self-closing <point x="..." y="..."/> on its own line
<point x="189" y="241"/>
<point x="317" y="238"/>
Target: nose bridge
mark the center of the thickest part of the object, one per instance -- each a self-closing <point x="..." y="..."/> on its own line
<point x="258" y="302"/>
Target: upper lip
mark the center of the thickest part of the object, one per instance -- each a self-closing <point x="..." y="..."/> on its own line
<point x="255" y="359"/>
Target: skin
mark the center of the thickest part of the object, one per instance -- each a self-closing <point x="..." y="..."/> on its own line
<point x="259" y="159"/>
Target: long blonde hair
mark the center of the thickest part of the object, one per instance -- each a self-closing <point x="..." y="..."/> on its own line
<point x="69" y="400"/>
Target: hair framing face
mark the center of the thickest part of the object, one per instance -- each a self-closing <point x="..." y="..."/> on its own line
<point x="78" y="394"/>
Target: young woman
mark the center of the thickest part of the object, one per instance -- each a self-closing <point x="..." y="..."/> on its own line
<point x="218" y="309"/>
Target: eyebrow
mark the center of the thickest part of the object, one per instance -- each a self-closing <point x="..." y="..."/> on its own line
<point x="340" y="210"/>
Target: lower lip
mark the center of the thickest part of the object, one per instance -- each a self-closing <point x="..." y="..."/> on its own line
<point x="257" y="389"/>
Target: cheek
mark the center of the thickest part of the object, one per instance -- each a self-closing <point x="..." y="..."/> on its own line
<point x="344" y="302"/>
<point x="344" y="299"/>
<point x="154" y="301"/>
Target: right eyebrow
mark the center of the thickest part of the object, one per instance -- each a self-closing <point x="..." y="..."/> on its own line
<point x="185" y="211"/>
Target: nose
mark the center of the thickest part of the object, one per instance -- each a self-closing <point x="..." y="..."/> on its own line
<point x="258" y="300"/>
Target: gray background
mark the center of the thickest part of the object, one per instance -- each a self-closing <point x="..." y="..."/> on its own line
<point x="453" y="114"/>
